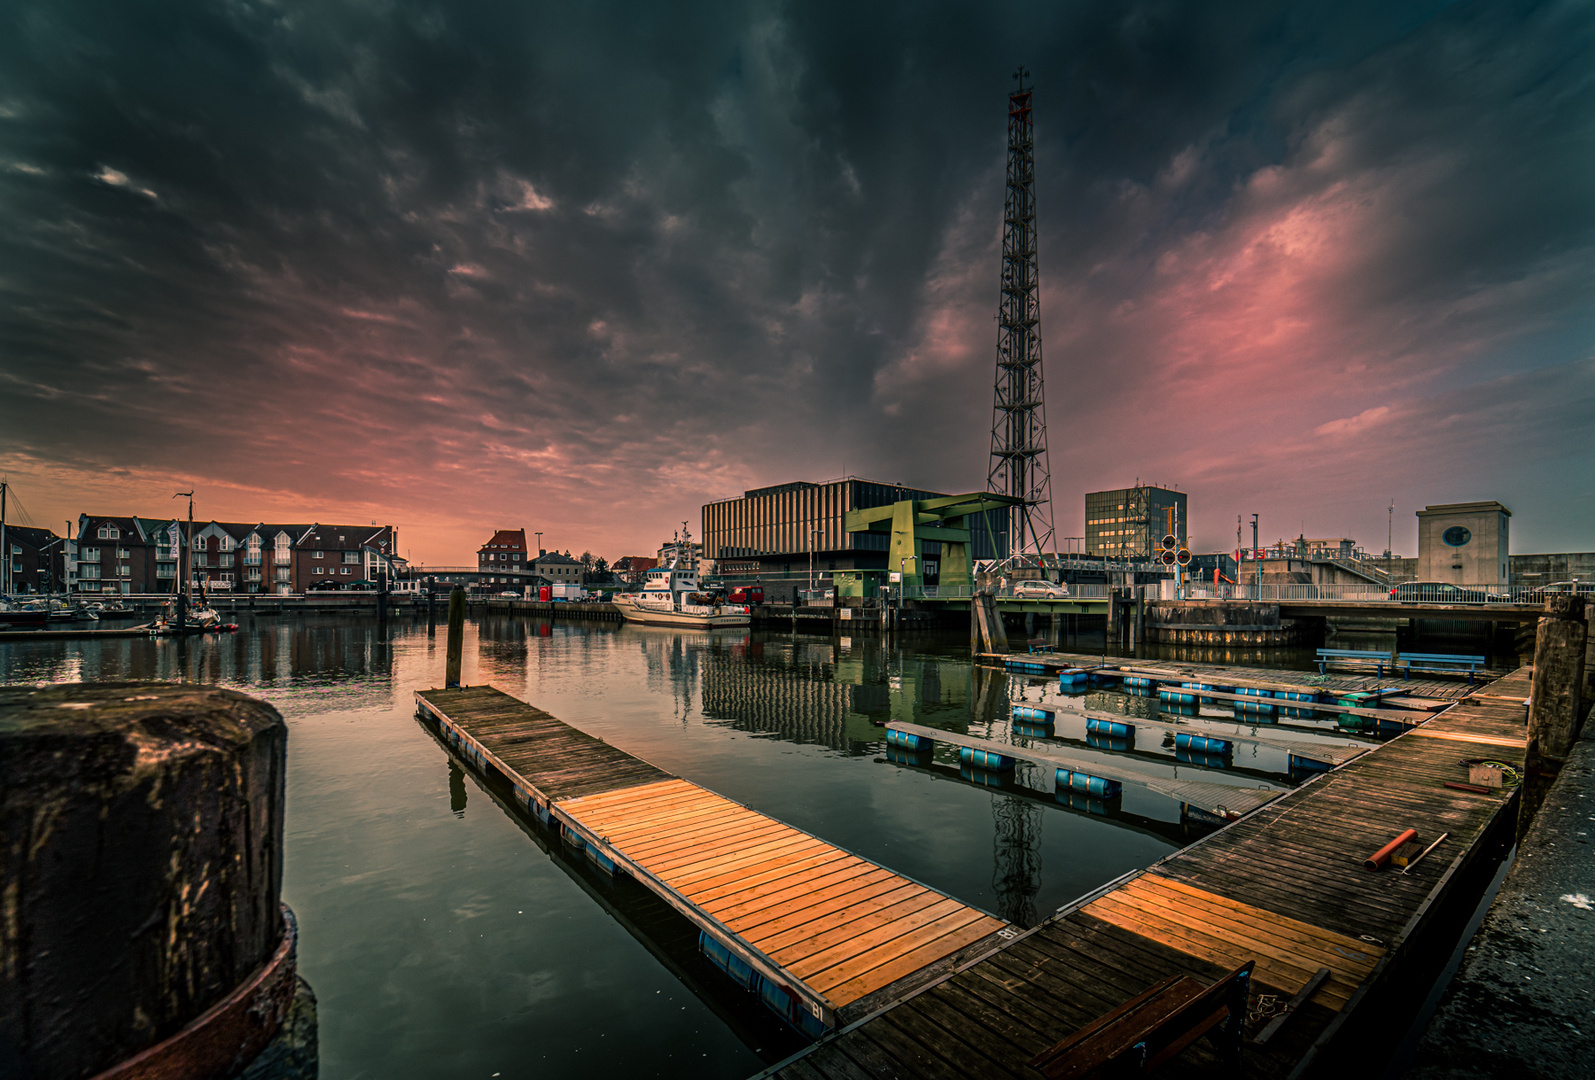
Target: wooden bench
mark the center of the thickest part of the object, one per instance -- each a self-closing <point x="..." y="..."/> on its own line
<point x="1438" y="662"/>
<point x="1040" y="645"/>
<point x="1372" y="656"/>
<point x="1153" y="1027"/>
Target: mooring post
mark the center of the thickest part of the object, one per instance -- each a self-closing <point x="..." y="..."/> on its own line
<point x="1554" y="699"/>
<point x="451" y="677"/>
<point x="141" y="829"/>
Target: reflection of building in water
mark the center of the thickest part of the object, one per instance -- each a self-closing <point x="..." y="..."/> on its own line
<point x="814" y="693"/>
<point x="799" y="701"/>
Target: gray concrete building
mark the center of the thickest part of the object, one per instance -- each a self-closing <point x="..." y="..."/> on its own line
<point x="1464" y="543"/>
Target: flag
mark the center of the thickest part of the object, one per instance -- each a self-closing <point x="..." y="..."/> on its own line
<point x="173" y="536"/>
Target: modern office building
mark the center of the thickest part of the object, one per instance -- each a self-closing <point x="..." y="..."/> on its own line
<point x="771" y="531"/>
<point x="1129" y="522"/>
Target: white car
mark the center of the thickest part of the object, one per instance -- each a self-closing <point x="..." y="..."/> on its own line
<point x="1042" y="589"/>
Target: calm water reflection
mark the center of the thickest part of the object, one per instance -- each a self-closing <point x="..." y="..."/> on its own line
<point x="445" y="939"/>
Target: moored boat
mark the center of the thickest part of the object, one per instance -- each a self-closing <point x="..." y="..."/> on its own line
<point x="671" y="596"/>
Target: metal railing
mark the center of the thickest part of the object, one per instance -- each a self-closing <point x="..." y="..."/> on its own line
<point x="1411" y="592"/>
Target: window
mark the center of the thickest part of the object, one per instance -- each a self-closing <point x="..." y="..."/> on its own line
<point x="110" y="532"/>
<point x="318" y="555"/>
<point x="91" y="555"/>
<point x="165" y="570"/>
<point x="226" y="543"/>
<point x="351" y="557"/>
<point x="124" y="570"/>
<point x="254" y="573"/>
<point x="318" y="570"/>
<point x="344" y="570"/>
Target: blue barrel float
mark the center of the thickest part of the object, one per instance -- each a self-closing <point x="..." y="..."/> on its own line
<point x="1254" y="699"/>
<point x="1113" y="729"/>
<point x="1085" y="784"/>
<point x="1033" y="722"/>
<point x="1110" y="742"/>
<point x="985" y="760"/>
<point x="1070" y="678"/>
<point x="1026" y="665"/>
<point x="1178" y="697"/>
<point x="910" y="743"/>
<point x="1202" y="744"/>
<point x="775" y="997"/>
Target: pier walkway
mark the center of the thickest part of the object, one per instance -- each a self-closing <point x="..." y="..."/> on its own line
<point x="822" y="935"/>
<point x="1284" y="886"/>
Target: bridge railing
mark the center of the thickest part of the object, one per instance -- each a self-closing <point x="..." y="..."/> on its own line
<point x="1411" y="592"/>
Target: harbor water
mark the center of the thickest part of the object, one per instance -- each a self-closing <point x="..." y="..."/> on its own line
<point x="447" y="936"/>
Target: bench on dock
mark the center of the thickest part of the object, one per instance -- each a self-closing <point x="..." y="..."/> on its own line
<point x="1153" y="1027"/>
<point x="1040" y="645"/>
<point x="1354" y="656"/>
<point x="1439" y="662"/>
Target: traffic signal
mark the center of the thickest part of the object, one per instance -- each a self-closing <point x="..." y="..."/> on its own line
<point x="1169" y="543"/>
<point x="1166" y="557"/>
<point x="1183" y="557"/>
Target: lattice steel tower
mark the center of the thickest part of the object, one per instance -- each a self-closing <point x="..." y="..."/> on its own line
<point x="1019" y="464"/>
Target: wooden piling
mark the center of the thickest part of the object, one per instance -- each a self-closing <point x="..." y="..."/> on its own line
<point x="141" y="834"/>
<point x="1554" y="699"/>
<point x="451" y="676"/>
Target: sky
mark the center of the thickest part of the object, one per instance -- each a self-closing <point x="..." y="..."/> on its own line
<point x="581" y="268"/>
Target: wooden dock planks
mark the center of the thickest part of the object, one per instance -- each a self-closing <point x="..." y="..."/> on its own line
<point x="847" y="926"/>
<point x="827" y="924"/>
<point x="1284" y="886"/>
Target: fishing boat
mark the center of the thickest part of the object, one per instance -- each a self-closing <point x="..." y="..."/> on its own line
<point x="671" y="596"/>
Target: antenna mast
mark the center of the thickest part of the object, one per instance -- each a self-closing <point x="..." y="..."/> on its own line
<point x="1019" y="462"/>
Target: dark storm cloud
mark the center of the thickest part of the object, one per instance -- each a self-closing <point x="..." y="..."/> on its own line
<point x="505" y="262"/>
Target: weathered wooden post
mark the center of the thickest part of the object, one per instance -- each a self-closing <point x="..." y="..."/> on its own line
<point x="143" y="935"/>
<point x="451" y="676"/>
<point x="1554" y="699"/>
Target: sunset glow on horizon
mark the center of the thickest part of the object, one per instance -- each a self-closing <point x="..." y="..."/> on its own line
<point x="580" y="271"/>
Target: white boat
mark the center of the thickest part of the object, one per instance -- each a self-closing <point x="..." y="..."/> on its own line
<point x="670" y="597"/>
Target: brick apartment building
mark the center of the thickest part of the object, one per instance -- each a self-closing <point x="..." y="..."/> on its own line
<point x="502" y="562"/>
<point x="140" y="555"/>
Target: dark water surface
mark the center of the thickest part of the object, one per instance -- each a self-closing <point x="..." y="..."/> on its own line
<point x="444" y="937"/>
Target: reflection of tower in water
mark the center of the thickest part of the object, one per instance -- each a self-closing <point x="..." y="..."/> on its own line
<point x="1016" y="858"/>
<point x="1016" y="822"/>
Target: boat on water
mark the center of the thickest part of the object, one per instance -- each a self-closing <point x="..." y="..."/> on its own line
<point x="671" y="596"/>
<point x="201" y="619"/>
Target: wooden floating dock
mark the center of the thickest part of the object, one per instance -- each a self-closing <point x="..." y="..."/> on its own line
<point x="837" y="935"/>
<point x="1437" y="691"/>
<point x="1285" y="887"/>
<point x="1220" y="800"/>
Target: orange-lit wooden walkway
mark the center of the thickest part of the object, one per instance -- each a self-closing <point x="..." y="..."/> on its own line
<point x="839" y="934"/>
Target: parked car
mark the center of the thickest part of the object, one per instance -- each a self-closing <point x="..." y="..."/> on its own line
<point x="1443" y="592"/>
<point x="1039" y="589"/>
